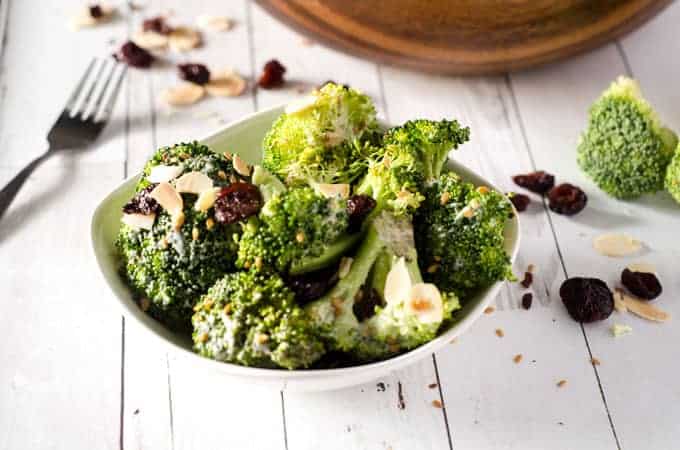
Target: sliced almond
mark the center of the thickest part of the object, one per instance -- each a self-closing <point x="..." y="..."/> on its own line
<point x="150" y="40"/>
<point x="425" y="302"/>
<point x="397" y="283"/>
<point x="206" y="200"/>
<point x="139" y="221"/>
<point x="345" y="266"/>
<point x="214" y="23"/>
<point x="644" y="309"/>
<point x="620" y="330"/>
<point x="300" y="105"/>
<point x="225" y="83"/>
<point x="194" y="183"/>
<point x="183" y="94"/>
<point x="642" y="267"/>
<point x="183" y="39"/>
<point x="240" y="166"/>
<point x="619" y="304"/>
<point x="171" y="201"/>
<point x="616" y="244"/>
<point x="83" y="18"/>
<point x="163" y="174"/>
<point x="332" y="190"/>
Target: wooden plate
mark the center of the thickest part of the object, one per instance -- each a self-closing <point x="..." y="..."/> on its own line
<point x="463" y="36"/>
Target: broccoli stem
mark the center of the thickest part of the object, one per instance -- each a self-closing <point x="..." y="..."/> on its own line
<point x="379" y="272"/>
<point x="330" y="256"/>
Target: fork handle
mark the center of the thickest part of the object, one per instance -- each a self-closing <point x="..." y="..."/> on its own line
<point x="12" y="188"/>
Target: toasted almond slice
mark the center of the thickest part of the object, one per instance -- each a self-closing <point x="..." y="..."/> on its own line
<point x="168" y="198"/>
<point x="183" y="39"/>
<point x="150" y="40"/>
<point x="397" y="283"/>
<point x="183" y="94"/>
<point x="83" y="18"/>
<point x="425" y="302"/>
<point x="139" y="221"/>
<point x="619" y="304"/>
<point x="163" y="174"/>
<point x="300" y="105"/>
<point x="193" y="183"/>
<point x="240" y="166"/>
<point x="332" y="190"/>
<point x="644" y="309"/>
<point x="214" y="23"/>
<point x="345" y="266"/>
<point x="206" y="200"/>
<point x="642" y="267"/>
<point x="225" y="83"/>
<point x="616" y="244"/>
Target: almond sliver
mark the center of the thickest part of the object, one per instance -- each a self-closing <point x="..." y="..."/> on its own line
<point x="193" y="183"/>
<point x="206" y="200"/>
<point x="225" y="83"/>
<point x="616" y="244"/>
<point x="183" y="94"/>
<point x="139" y="221"/>
<point x="183" y="39"/>
<point x="150" y="40"/>
<point x="644" y="309"/>
<point x="163" y="174"/>
<point x="619" y="304"/>
<point x="168" y="198"/>
<point x="397" y="283"/>
<point x="214" y="23"/>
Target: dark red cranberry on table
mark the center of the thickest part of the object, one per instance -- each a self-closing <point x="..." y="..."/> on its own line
<point x="528" y="279"/>
<point x="567" y="199"/>
<point x="358" y="208"/>
<point x="195" y="73"/>
<point x="96" y="11"/>
<point x="272" y="75"/>
<point x="641" y="284"/>
<point x="236" y="202"/>
<point x="539" y="182"/>
<point x="142" y="203"/>
<point x="157" y="25"/>
<point x="587" y="299"/>
<point x="527" y="299"/>
<point x="134" y="56"/>
<point x="519" y="201"/>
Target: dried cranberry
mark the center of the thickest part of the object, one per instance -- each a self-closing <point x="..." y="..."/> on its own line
<point x="196" y="73"/>
<point x="272" y="75"/>
<point x="528" y="279"/>
<point x="358" y="207"/>
<point x="539" y="182"/>
<point x="310" y="286"/>
<point x="642" y="284"/>
<point x="96" y="11"/>
<point x="236" y="202"/>
<point x="520" y="201"/>
<point x="527" y="299"/>
<point x="587" y="299"/>
<point x="133" y="55"/>
<point x="142" y="203"/>
<point x="567" y="199"/>
<point x="364" y="305"/>
<point x="157" y="25"/>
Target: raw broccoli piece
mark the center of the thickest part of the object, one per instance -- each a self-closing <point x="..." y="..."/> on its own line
<point x="251" y="319"/>
<point x="292" y="225"/>
<point x="673" y="176"/>
<point x="625" y="149"/>
<point x="459" y="235"/>
<point x="398" y="325"/>
<point x="323" y="138"/>
<point x="412" y="156"/>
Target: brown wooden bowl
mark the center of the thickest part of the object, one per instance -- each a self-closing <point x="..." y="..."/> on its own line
<point x="463" y="36"/>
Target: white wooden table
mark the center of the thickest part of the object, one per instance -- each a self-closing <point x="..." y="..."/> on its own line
<point x="74" y="374"/>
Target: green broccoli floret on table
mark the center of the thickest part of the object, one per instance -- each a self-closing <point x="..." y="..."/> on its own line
<point x="323" y="139"/>
<point x="251" y="319"/>
<point x="625" y="149"/>
<point x="412" y="155"/>
<point x="459" y="235"/>
<point x="294" y="224"/>
<point x="673" y="176"/>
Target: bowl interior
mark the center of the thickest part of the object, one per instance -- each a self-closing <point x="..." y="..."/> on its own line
<point x="245" y="138"/>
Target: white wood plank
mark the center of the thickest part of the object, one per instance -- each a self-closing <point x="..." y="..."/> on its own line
<point x="644" y="363"/>
<point x="521" y="408"/>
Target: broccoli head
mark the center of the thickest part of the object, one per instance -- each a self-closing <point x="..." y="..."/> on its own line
<point x="294" y="224"/>
<point x="251" y="319"/>
<point x="459" y="235"/>
<point x="323" y="138"/>
<point x="673" y="176"/>
<point x="411" y="156"/>
<point x="625" y="149"/>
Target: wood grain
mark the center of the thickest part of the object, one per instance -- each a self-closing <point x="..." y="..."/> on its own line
<point x="464" y="36"/>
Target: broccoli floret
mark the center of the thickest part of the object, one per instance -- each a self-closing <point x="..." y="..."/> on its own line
<point x="673" y="176"/>
<point x="625" y="149"/>
<point x="412" y="155"/>
<point x="170" y="269"/>
<point x="267" y="183"/>
<point x="292" y="225"/>
<point x="459" y="235"/>
<point x="324" y="140"/>
<point x="251" y="319"/>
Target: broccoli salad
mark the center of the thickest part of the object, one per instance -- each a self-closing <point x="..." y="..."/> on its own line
<point x="349" y="244"/>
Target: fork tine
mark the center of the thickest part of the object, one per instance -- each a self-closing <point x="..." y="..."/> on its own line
<point x="108" y="67"/>
<point x="87" y="91"/>
<point x="107" y="104"/>
<point x="77" y="90"/>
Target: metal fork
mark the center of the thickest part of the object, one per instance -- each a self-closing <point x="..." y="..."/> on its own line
<point x="80" y="123"/>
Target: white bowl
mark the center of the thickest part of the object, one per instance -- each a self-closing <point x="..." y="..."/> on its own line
<point x="245" y="137"/>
